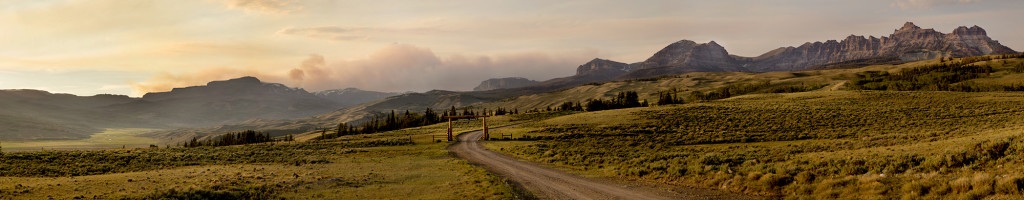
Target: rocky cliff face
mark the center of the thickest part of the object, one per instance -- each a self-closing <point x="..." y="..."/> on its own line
<point x="602" y="66"/>
<point x="502" y="83"/>
<point x="686" y="56"/>
<point x="692" y="57"/>
<point x="908" y="43"/>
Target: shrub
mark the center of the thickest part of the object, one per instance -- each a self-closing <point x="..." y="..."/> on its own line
<point x="258" y="192"/>
<point x="804" y="177"/>
<point x="918" y="188"/>
<point x="775" y="181"/>
<point x="1010" y="185"/>
<point x="960" y="185"/>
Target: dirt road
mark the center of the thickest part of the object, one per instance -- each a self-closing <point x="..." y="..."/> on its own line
<point x="547" y="183"/>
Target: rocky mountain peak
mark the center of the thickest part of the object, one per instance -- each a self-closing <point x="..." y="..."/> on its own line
<point x="908" y="26"/>
<point x="714" y="44"/>
<point x="598" y="65"/>
<point x="685" y="42"/>
<point x="687" y="55"/>
<point x="973" y="30"/>
<point x="906" y="44"/>
<point x="242" y="81"/>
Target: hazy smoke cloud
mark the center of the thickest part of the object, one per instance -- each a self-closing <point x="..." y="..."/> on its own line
<point x="263" y="6"/>
<point x="314" y="68"/>
<point x="921" y="4"/>
<point x="397" y="67"/>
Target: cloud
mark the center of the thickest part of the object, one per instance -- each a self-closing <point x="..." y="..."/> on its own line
<point x="263" y="6"/>
<point x="396" y="67"/>
<point x="333" y="33"/>
<point x="923" y="4"/>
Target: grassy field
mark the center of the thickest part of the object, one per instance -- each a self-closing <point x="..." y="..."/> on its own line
<point x="108" y="139"/>
<point x="826" y="144"/>
<point x="831" y="143"/>
<point x="402" y="164"/>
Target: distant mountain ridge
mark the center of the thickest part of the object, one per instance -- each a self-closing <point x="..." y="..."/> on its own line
<point x="353" y="96"/>
<point x="909" y="43"/>
<point x="227" y="101"/>
<point x="686" y="56"/>
<point x="502" y="83"/>
<point x="906" y="44"/>
<point x="37" y="115"/>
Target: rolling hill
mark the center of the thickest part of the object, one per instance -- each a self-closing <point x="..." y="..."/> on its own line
<point x="40" y="115"/>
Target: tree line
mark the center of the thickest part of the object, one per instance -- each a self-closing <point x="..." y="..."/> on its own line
<point x="951" y="75"/>
<point x="393" y="121"/>
<point x="673" y="96"/>
<point x="236" y="138"/>
<point x="627" y="99"/>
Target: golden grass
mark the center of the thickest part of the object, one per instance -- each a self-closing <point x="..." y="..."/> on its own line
<point x="919" y="125"/>
<point x="108" y="139"/>
<point x="419" y="171"/>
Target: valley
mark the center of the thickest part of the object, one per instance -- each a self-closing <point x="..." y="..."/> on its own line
<point x="111" y="138"/>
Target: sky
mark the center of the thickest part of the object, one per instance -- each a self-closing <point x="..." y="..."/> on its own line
<point x="88" y="47"/>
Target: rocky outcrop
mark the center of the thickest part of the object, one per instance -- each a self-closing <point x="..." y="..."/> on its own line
<point x="602" y="66"/>
<point x="690" y="56"/>
<point x="502" y="83"/>
<point x="686" y="56"/>
<point x="908" y="43"/>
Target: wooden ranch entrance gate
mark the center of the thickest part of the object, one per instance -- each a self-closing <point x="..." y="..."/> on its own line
<point x="450" y="118"/>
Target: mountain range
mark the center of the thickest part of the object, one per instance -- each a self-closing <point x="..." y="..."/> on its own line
<point x="247" y="103"/>
<point x="909" y="43"/>
<point x="34" y="114"/>
<point x="906" y="44"/>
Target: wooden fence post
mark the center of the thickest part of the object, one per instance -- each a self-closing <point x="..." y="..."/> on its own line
<point x="449" y="129"/>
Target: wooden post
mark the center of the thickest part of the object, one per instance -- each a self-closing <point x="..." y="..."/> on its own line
<point x="449" y="129"/>
<point x="486" y="136"/>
